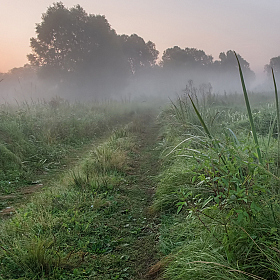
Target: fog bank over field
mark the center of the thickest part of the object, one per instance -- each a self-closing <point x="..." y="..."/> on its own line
<point x="79" y="56"/>
<point x="25" y="84"/>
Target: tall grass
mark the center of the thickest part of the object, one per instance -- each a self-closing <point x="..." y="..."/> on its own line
<point x="229" y="189"/>
<point x="278" y="118"/>
<point x="249" y="110"/>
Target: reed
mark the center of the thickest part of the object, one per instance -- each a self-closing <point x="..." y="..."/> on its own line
<point x="249" y="111"/>
<point x="278" y="118"/>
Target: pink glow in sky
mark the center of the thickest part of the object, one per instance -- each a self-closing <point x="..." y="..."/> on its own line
<point x="250" y="27"/>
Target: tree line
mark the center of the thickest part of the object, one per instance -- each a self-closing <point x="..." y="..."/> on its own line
<point x="81" y="51"/>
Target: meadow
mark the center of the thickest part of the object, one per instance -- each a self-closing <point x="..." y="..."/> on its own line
<point x="86" y="220"/>
<point x="218" y="192"/>
<point x="132" y="190"/>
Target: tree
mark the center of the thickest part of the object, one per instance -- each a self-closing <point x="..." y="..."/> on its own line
<point x="228" y="61"/>
<point x="180" y="65"/>
<point x="275" y="64"/>
<point x="227" y="65"/>
<point x="188" y="58"/>
<point x="72" y="45"/>
<point x="138" y="53"/>
<point x="23" y="72"/>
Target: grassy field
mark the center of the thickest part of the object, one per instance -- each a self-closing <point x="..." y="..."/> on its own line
<point x="91" y="218"/>
<point x="218" y="190"/>
<point x="38" y="139"/>
<point x="129" y="191"/>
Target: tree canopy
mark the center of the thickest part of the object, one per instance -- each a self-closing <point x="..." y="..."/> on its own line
<point x="185" y="58"/>
<point x="82" y="51"/>
<point x="195" y="64"/>
<point x="275" y="64"/>
<point x="73" y="44"/>
<point x="193" y="59"/>
<point x="228" y="62"/>
<point x="138" y="53"/>
<point x="79" y="48"/>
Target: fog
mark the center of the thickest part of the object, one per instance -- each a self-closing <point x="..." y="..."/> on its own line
<point x="80" y="57"/>
<point x="24" y="84"/>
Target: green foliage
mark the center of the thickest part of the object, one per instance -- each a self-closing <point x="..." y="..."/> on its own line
<point x="201" y="260"/>
<point x="99" y="171"/>
<point x="8" y="159"/>
<point x="89" y="224"/>
<point x="228" y="190"/>
<point x="249" y="111"/>
<point x="170" y="181"/>
<point x="36" y="138"/>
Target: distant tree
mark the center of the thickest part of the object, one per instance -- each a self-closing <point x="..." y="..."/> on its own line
<point x="23" y="72"/>
<point x="228" y="65"/>
<point x="138" y="53"/>
<point x="187" y="58"/>
<point x="72" y="45"/>
<point x="180" y="65"/>
<point x="228" y="61"/>
<point x="275" y="64"/>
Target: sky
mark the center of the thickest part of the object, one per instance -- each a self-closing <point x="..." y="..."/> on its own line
<point x="250" y="27"/>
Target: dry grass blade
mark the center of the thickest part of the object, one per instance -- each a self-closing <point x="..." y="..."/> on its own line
<point x="185" y="140"/>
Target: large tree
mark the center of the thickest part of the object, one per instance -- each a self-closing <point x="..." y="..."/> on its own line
<point x="72" y="45"/>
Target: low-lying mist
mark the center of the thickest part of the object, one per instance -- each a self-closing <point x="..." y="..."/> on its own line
<point x="79" y="57"/>
<point x="24" y="84"/>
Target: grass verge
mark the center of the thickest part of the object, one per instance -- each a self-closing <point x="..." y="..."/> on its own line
<point x="218" y="192"/>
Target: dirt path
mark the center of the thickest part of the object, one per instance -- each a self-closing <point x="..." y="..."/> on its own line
<point x="120" y="236"/>
<point x="143" y="182"/>
<point x="10" y="202"/>
<point x="132" y="226"/>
